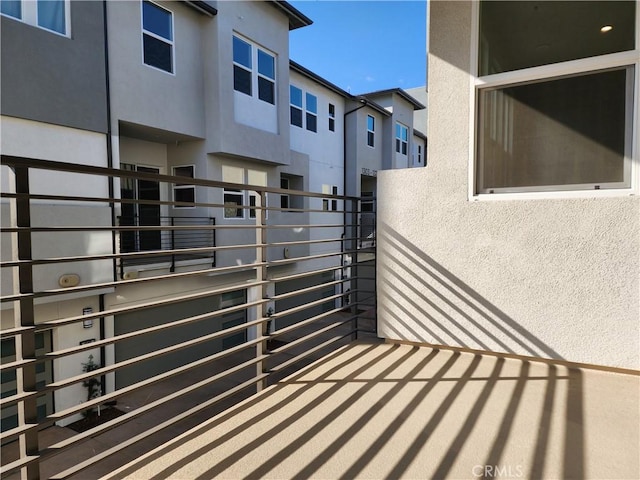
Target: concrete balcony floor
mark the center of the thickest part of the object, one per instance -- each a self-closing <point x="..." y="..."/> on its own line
<point x="378" y="410"/>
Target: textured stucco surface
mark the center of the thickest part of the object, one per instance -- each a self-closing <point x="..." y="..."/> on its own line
<point x="552" y="278"/>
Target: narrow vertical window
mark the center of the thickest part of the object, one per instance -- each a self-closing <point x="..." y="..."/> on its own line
<point x="184" y="192"/>
<point x="242" y="65"/>
<point x="334" y="203"/>
<point x="332" y="117"/>
<point x="312" y="112"/>
<point x="157" y="36"/>
<point x="371" y="128"/>
<point x="284" y="198"/>
<point x="402" y="136"/>
<point x="266" y="77"/>
<point x="295" y="98"/>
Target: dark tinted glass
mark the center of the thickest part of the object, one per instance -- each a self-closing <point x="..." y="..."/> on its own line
<point x="157" y="53"/>
<point x="241" y="80"/>
<point x="332" y="125"/>
<point x="185" y="195"/>
<point x="51" y="15"/>
<point x="13" y="8"/>
<point x="296" y="116"/>
<point x="295" y="96"/>
<point x="516" y="35"/>
<point x="266" y="90"/>
<point x="569" y="131"/>
<point x="241" y="52"/>
<point x="312" y="103"/>
<point x="156" y="20"/>
<point x="266" y="65"/>
<point x="312" y="122"/>
<point x="370" y="139"/>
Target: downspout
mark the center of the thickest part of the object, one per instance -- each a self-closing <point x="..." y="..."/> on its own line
<point x="344" y="180"/>
<point x="111" y="186"/>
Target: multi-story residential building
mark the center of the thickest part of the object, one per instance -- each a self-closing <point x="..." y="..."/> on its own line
<point x="523" y="235"/>
<point x="193" y="91"/>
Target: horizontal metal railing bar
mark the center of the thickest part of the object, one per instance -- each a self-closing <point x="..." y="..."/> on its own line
<point x="163" y="253"/>
<point x="19" y="397"/>
<point x="5" y="367"/>
<point x="18" y="464"/>
<point x="55" y="417"/>
<point x="34" y="163"/>
<point x="313" y="319"/>
<point x="7" y="435"/>
<point x="286" y="261"/>
<point x="131" y="441"/>
<point x="96" y="286"/>
<point x="295" y="293"/>
<point x="307" y="353"/>
<point x="310" y="273"/>
<point x="173" y="203"/>
<point x="299" y="308"/>
<point x="126" y="228"/>
<point x="12" y="332"/>
<point x="306" y="338"/>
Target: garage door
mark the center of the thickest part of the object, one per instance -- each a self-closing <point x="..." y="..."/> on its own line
<point x="291" y="302"/>
<point x="134" y="321"/>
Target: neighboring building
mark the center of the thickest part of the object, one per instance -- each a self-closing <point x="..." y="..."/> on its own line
<point x="196" y="90"/>
<point x="523" y="235"/>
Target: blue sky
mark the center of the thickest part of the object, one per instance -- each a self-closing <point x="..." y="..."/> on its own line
<point x="365" y="45"/>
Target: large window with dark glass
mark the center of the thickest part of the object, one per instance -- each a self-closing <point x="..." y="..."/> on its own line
<point x="566" y="124"/>
<point x="254" y="70"/>
<point x="157" y="36"/>
<point x="371" y="130"/>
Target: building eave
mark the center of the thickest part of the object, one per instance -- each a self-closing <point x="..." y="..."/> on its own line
<point x="202" y="7"/>
<point x="296" y="18"/>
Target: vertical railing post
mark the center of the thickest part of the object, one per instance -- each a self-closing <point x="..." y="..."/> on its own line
<point x="261" y="276"/>
<point x="354" y="235"/>
<point x="173" y="245"/>
<point x="213" y="242"/>
<point x="25" y="317"/>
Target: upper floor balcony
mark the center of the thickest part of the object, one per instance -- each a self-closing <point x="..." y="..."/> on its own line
<point x="267" y="369"/>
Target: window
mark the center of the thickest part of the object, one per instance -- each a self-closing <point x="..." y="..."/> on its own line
<point x="402" y="135"/>
<point x="563" y="126"/>
<point x="371" y="130"/>
<point x="284" y="199"/>
<point x="184" y="192"/>
<point x="236" y="199"/>
<point x="329" y="204"/>
<point x="247" y="80"/>
<point x="295" y="98"/>
<point x="52" y="15"/>
<point x="241" y="66"/>
<point x="332" y="117"/>
<point x="157" y="36"/>
<point x="312" y="112"/>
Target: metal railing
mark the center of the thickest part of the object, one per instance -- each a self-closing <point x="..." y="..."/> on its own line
<point x="223" y="329"/>
<point x="145" y="240"/>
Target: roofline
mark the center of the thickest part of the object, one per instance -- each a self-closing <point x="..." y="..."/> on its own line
<point x="297" y="19"/>
<point x="372" y="104"/>
<point x="203" y="7"/>
<point x="418" y="133"/>
<point x="317" y="78"/>
<point x="416" y="104"/>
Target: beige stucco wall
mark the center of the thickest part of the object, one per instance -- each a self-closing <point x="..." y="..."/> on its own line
<point x="550" y="278"/>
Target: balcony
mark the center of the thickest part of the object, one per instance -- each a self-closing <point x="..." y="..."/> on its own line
<point x="221" y="372"/>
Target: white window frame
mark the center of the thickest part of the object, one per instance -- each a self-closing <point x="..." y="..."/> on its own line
<point x="405" y="129"/>
<point x="184" y="186"/>
<point x="332" y="117"/>
<point x="372" y="132"/>
<point x="247" y="196"/>
<point x="29" y="15"/>
<point x="158" y="37"/>
<point x="254" y="70"/>
<point x="309" y="112"/>
<point x="297" y="107"/>
<point x="241" y="207"/>
<point x="550" y="72"/>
